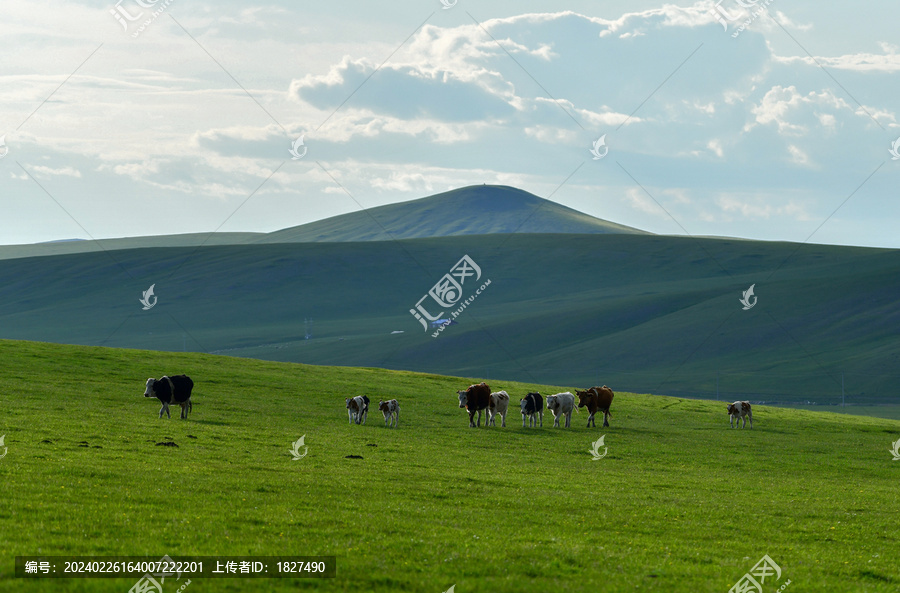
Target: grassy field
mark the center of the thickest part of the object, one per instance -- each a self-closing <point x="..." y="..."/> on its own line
<point x="680" y="503"/>
<point x="891" y="411"/>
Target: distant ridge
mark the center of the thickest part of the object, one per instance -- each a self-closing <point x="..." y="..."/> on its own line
<point x="472" y="210"/>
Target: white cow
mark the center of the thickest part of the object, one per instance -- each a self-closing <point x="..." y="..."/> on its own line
<point x="499" y="405"/>
<point x="391" y="411"/>
<point x="561" y="404"/>
<point x="740" y="411"/>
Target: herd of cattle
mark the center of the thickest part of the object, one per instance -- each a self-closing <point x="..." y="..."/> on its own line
<point x="475" y="399"/>
<point x="479" y="398"/>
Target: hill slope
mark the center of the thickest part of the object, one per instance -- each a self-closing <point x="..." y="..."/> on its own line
<point x="100" y="245"/>
<point x="473" y="210"/>
<point x="639" y="313"/>
<point x="649" y="513"/>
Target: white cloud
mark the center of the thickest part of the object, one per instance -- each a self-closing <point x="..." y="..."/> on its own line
<point x="49" y="171"/>
<point x="798" y="156"/>
<point x="861" y="62"/>
<point x="552" y="135"/>
<point x="751" y="207"/>
<point x="158" y="118"/>
<point x="639" y="200"/>
<point x="786" y="106"/>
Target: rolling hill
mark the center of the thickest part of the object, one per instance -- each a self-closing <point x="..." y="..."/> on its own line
<point x="474" y="210"/>
<point x="641" y="313"/>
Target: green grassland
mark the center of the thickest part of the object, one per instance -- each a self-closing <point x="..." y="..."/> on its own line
<point x="891" y="411"/>
<point x="641" y="313"/>
<point x="680" y="503"/>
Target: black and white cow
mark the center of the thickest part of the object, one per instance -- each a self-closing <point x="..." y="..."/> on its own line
<point x="171" y="390"/>
<point x="532" y="404"/>
<point x="358" y="409"/>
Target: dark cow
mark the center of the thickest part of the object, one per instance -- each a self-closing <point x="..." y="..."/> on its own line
<point x="171" y="390"/>
<point x="741" y="411"/>
<point x="475" y="399"/>
<point x="358" y="408"/>
<point x="532" y="404"/>
<point x="596" y="398"/>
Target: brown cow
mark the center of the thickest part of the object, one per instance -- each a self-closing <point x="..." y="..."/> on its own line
<point x="475" y="399"/>
<point x="596" y="398"/>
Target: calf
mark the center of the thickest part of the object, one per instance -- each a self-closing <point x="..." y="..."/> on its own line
<point x="740" y="410"/>
<point x="358" y="408"/>
<point x="532" y="404"/>
<point x="561" y="404"/>
<point x="596" y="398"/>
<point x="391" y="411"/>
<point x="171" y="390"/>
<point x="475" y="399"/>
<point x="499" y="405"/>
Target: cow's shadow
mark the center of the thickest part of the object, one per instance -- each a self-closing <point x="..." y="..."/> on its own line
<point x="211" y="422"/>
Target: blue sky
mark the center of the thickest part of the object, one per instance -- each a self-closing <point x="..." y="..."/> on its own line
<point x="779" y="131"/>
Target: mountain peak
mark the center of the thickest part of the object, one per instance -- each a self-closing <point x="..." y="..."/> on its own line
<point x="472" y="210"/>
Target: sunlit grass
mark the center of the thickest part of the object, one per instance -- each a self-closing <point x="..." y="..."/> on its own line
<point x="680" y="503"/>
